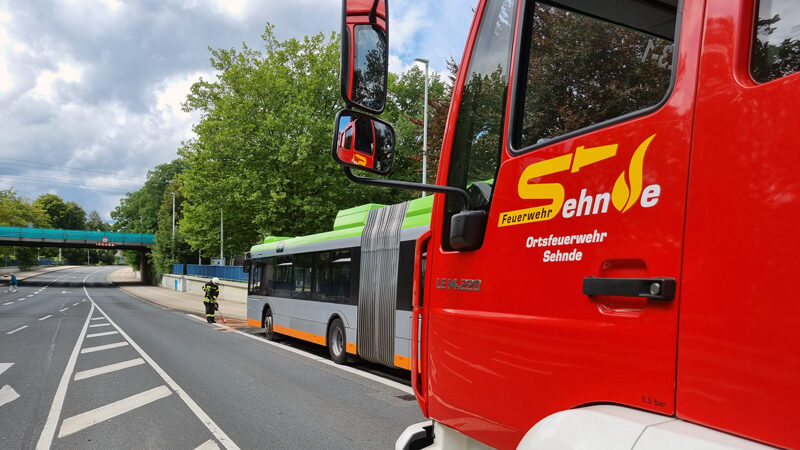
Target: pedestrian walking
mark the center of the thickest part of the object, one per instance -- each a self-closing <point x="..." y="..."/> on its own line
<point x="14" y="283"/>
<point x="211" y="290"/>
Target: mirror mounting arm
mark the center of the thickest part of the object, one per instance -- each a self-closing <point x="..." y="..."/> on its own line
<point x="409" y="185"/>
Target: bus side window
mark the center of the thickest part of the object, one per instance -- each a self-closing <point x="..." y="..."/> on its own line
<point x="267" y="273"/>
<point x="303" y="276"/>
<point x="282" y="280"/>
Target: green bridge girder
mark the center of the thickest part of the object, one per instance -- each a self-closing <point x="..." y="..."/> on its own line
<point x="42" y="237"/>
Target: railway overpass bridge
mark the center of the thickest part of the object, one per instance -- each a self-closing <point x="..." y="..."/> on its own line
<point x="103" y="240"/>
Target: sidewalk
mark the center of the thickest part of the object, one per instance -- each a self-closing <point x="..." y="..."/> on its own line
<point x="235" y="312"/>
<point x="6" y="277"/>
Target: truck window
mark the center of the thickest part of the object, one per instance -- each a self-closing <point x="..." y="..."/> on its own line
<point x="776" y="41"/>
<point x="478" y="135"/>
<point x="578" y="70"/>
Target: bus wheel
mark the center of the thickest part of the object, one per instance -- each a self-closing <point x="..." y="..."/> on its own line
<point x="268" y="325"/>
<point x="337" y="342"/>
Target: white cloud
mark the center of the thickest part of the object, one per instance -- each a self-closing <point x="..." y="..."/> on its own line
<point x="47" y="79"/>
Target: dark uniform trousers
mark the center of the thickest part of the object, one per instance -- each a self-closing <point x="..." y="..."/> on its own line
<point x="210" y="300"/>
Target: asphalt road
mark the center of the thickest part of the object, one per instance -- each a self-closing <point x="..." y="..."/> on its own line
<point x="85" y="365"/>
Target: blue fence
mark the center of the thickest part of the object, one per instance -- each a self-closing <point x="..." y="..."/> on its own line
<point x="233" y="273"/>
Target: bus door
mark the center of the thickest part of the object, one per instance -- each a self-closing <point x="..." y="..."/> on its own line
<point x="582" y="164"/>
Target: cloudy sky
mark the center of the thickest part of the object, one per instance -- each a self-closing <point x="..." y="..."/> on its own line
<point x="90" y="90"/>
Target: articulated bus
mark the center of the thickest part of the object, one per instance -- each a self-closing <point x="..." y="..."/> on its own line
<point x="348" y="289"/>
<point x="625" y="281"/>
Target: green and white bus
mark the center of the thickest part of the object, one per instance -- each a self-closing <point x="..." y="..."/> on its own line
<point x="348" y="289"/>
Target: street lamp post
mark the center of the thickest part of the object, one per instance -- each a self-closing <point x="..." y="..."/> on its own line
<point x="173" y="226"/>
<point x="425" y="127"/>
<point x="221" y="235"/>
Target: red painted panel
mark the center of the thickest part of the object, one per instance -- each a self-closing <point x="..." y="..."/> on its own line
<point x="738" y="356"/>
<point x="530" y="343"/>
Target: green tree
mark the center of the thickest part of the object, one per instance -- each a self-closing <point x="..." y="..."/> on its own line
<point x="18" y="211"/>
<point x="260" y="151"/>
<point x="138" y="211"/>
<point x="167" y="250"/>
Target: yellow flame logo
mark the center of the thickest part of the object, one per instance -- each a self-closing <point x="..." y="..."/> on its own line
<point x="624" y="195"/>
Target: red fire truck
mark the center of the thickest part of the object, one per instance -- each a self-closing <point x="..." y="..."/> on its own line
<point x="624" y="280"/>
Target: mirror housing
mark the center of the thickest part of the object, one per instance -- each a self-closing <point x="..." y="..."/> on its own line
<point x="467" y="229"/>
<point x="363" y="142"/>
<point x="248" y="262"/>
<point x="365" y="54"/>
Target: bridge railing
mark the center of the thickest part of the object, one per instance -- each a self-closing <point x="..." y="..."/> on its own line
<point x="76" y="235"/>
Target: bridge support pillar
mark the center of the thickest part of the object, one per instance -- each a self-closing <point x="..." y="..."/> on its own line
<point x="144" y="267"/>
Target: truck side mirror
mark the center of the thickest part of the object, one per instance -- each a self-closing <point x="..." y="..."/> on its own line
<point x="363" y="142"/>
<point x="365" y="57"/>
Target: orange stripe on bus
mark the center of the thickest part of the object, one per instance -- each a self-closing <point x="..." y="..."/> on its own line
<point x="351" y="348"/>
<point x="254" y="323"/>
<point x="402" y="362"/>
<point x="299" y="334"/>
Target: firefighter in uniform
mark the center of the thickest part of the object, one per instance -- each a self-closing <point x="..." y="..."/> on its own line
<point x="212" y="292"/>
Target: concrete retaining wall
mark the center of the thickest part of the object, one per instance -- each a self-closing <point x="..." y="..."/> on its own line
<point x="228" y="290"/>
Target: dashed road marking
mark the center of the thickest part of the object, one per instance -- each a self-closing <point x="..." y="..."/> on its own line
<point x="82" y="375"/>
<point x="63" y="309"/>
<point x="100" y="325"/>
<point x="85" y="420"/>
<point x="18" y="329"/>
<point x="98" y="318"/>
<point x="46" y="317"/>
<point x="75" y="304"/>
<point x="103" y="347"/>
<point x="105" y="333"/>
<point x="8" y="303"/>
<point x="46" y="438"/>
<point x="30" y="295"/>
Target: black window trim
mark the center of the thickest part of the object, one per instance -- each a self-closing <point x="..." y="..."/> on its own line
<point x="513" y="117"/>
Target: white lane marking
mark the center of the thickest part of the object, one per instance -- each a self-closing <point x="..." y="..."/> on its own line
<point x="195" y="317"/>
<point x="103" y="347"/>
<point x="98" y="318"/>
<point x="208" y="445"/>
<point x="107" y="369"/>
<point x="85" y="420"/>
<point x="215" y="430"/>
<point x="46" y="438"/>
<point x="63" y="309"/>
<point x="22" y="299"/>
<point x="105" y="333"/>
<point x="64" y="292"/>
<point x="75" y="304"/>
<point x="4" y="367"/>
<point x="367" y="375"/>
<point x="31" y="295"/>
<point x="100" y="325"/>
<point x="7" y="395"/>
<point x="46" y="317"/>
<point x="8" y="303"/>
<point x="18" y="329"/>
<point x="83" y="300"/>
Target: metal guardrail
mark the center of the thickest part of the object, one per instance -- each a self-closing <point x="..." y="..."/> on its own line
<point x="77" y="235"/>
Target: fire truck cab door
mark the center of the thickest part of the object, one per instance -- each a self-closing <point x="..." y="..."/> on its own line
<point x="589" y="198"/>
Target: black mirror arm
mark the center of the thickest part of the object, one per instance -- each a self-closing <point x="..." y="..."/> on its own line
<point x="409" y="185"/>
